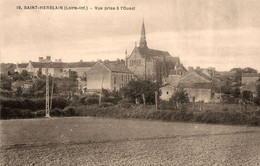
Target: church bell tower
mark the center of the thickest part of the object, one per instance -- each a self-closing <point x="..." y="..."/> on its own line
<point x="143" y="42"/>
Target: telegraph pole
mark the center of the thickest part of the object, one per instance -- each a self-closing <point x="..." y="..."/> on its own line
<point x="52" y="87"/>
<point x="47" y="94"/>
<point x="100" y="95"/>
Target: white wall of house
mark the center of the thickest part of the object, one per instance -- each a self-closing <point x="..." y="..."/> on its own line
<point x="167" y="92"/>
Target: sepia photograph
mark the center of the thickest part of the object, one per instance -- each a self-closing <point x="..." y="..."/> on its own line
<point x="130" y="82"/>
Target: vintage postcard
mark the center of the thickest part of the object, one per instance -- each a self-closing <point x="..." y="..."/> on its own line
<point x="130" y="82"/>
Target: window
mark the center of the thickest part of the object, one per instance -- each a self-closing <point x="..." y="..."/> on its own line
<point x="122" y="77"/>
<point x="167" y="92"/>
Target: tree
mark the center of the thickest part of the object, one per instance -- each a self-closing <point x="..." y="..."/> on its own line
<point x="257" y="99"/>
<point x="179" y="97"/>
<point x="135" y="89"/>
<point x="249" y="70"/>
<point x="24" y="74"/>
<point x="19" y="91"/>
<point x="6" y="83"/>
<point x="247" y="95"/>
<point x="236" y="93"/>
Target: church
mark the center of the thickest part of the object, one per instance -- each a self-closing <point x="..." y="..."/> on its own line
<point x="151" y="64"/>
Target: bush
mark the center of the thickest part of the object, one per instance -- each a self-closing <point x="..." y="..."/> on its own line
<point x="124" y="104"/>
<point x="36" y="104"/>
<point x="106" y="104"/>
<point x="254" y="120"/>
<point x="69" y="111"/>
<point x="56" y="112"/>
<point x="7" y="113"/>
<point x="91" y="100"/>
<point x="166" y="105"/>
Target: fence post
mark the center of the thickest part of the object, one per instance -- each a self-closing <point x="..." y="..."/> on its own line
<point x="143" y="99"/>
<point x="156" y="100"/>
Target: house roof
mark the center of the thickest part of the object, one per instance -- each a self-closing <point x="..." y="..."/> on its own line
<point x="250" y="75"/>
<point x="7" y="66"/>
<point x="167" y="86"/>
<point x="196" y="85"/>
<point x="62" y="64"/>
<point x="79" y="64"/>
<point x="116" y="66"/>
<point x="197" y="73"/>
<point x="40" y="64"/>
<point x="22" y="65"/>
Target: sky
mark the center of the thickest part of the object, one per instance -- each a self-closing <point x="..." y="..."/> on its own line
<point x="208" y="33"/>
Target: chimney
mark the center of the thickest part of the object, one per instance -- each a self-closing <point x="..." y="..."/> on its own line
<point x="190" y="68"/>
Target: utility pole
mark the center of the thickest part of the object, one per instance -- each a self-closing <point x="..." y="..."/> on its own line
<point x="100" y="95"/>
<point x="52" y="87"/>
<point x="47" y="94"/>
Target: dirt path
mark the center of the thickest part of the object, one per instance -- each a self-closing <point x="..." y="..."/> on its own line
<point x="99" y="141"/>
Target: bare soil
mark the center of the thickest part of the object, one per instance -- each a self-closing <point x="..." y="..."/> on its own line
<point x="101" y="141"/>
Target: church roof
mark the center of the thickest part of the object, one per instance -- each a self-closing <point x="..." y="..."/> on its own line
<point x="151" y="53"/>
<point x="148" y="53"/>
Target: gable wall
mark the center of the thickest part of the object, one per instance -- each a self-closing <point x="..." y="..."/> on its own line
<point x="137" y="68"/>
<point x="95" y="76"/>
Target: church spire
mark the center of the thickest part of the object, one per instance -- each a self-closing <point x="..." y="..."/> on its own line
<point x="143" y="42"/>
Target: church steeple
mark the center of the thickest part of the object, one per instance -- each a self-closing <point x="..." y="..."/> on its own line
<point x="143" y="42"/>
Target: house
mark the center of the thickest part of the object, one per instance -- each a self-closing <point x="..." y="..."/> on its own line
<point x="250" y="78"/>
<point x="250" y="81"/>
<point x="56" y="69"/>
<point x="79" y="67"/>
<point x="21" y="67"/>
<point x="198" y="85"/>
<point x="7" y="68"/>
<point x="250" y="88"/>
<point x="151" y="64"/>
<point x="111" y="75"/>
<point x="198" y="91"/>
<point x="167" y="92"/>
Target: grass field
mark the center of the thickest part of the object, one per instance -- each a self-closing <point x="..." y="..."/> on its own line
<point x="103" y="141"/>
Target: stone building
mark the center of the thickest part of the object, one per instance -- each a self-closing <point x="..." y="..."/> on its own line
<point x="151" y="64"/>
<point x="199" y="86"/>
<point x="56" y="69"/>
<point x="79" y="67"/>
<point x="250" y="78"/>
<point x="110" y="75"/>
<point x="7" y="68"/>
<point x="20" y="67"/>
<point x="167" y="92"/>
